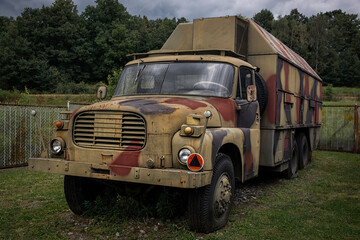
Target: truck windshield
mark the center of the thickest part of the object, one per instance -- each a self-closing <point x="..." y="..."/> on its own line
<point x="195" y="78"/>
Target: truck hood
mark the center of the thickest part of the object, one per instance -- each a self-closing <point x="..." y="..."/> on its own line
<point x="167" y="114"/>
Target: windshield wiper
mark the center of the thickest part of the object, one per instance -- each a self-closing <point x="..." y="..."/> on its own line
<point x="139" y="71"/>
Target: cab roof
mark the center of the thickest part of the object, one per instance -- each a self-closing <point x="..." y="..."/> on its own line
<point x="166" y="57"/>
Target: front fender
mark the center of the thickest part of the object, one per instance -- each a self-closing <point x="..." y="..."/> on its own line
<point x="214" y="139"/>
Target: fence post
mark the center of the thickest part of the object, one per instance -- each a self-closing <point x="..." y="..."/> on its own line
<point x="356" y="129"/>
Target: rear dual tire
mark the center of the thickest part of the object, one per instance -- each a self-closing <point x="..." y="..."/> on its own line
<point x="292" y="169"/>
<point x="304" y="150"/>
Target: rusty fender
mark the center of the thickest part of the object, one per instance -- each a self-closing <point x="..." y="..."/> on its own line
<point x="214" y="139"/>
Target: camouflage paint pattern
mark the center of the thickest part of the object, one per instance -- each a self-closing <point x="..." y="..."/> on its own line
<point x="163" y="117"/>
<point x="294" y="104"/>
<point x="294" y="96"/>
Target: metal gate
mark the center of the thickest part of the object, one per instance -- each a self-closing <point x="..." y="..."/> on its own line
<point x="340" y="128"/>
<point x="19" y="136"/>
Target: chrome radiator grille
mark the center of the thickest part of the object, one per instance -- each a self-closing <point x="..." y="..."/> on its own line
<point x="110" y="130"/>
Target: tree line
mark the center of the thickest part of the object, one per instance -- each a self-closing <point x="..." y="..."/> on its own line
<point x="52" y="48"/>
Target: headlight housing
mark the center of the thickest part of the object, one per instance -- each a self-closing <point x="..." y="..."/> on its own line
<point x="57" y="145"/>
<point x="184" y="154"/>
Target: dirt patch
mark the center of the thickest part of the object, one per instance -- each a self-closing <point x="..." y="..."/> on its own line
<point x="74" y="226"/>
<point x="251" y="190"/>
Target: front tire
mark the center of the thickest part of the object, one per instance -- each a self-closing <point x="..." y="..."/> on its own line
<point x="78" y="190"/>
<point x="209" y="207"/>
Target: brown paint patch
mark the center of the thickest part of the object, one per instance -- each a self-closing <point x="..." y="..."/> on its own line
<point x="286" y="70"/>
<point x="271" y="107"/>
<point x="320" y="95"/>
<point x="298" y="103"/>
<point x="287" y="141"/>
<point x="249" y="159"/>
<point x="125" y="161"/>
<point x="74" y="112"/>
<point x="186" y="102"/>
<point x="226" y="108"/>
<point x="307" y="85"/>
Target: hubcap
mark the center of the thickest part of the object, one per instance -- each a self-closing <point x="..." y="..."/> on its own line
<point x="222" y="195"/>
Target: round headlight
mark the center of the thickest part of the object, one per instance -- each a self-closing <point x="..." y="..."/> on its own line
<point x="184" y="155"/>
<point x="57" y="146"/>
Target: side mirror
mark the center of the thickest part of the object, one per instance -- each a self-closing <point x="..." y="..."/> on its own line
<point x="251" y="93"/>
<point x="101" y="92"/>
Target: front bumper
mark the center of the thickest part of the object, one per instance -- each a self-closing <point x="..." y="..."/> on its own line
<point x="163" y="177"/>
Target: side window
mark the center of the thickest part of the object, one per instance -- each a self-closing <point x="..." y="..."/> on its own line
<point x="245" y="81"/>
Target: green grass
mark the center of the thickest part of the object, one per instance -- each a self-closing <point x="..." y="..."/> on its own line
<point x="345" y="103"/>
<point x="61" y="99"/>
<point x="15" y="97"/>
<point x="345" y="90"/>
<point x="322" y="203"/>
<point x="341" y="95"/>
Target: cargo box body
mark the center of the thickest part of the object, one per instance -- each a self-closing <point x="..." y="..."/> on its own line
<point x="294" y="88"/>
<point x="294" y="95"/>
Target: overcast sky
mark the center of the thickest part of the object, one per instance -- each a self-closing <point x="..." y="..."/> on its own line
<point x="191" y="9"/>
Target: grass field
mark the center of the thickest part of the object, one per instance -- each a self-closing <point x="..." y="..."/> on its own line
<point x="331" y="96"/>
<point x="341" y="95"/>
<point x="61" y="99"/>
<point x="322" y="203"/>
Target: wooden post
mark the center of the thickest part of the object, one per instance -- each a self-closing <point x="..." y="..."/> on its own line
<point x="356" y="129"/>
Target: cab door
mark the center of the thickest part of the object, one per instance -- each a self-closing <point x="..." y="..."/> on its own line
<point x="248" y="120"/>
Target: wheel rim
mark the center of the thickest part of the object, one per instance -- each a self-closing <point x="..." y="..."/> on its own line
<point x="222" y="196"/>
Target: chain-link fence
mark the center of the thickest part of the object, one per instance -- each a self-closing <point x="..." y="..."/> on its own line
<point x="340" y="128"/>
<point x="19" y="135"/>
<point x="20" y="138"/>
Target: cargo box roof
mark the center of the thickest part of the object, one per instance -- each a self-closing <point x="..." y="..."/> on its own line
<point x="226" y="35"/>
<point x="271" y="44"/>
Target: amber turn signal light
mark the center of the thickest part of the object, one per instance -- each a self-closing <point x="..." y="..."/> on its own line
<point x="188" y="130"/>
<point x="59" y="124"/>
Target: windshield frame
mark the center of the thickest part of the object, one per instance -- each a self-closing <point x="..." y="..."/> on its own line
<point x="141" y="65"/>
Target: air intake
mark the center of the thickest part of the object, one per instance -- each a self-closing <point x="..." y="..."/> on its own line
<point x="109" y="130"/>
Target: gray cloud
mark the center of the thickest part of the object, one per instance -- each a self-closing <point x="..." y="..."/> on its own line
<point x="15" y="7"/>
<point x="210" y="8"/>
<point x="191" y="9"/>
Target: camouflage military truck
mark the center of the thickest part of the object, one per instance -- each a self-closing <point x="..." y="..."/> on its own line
<point x="220" y="99"/>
